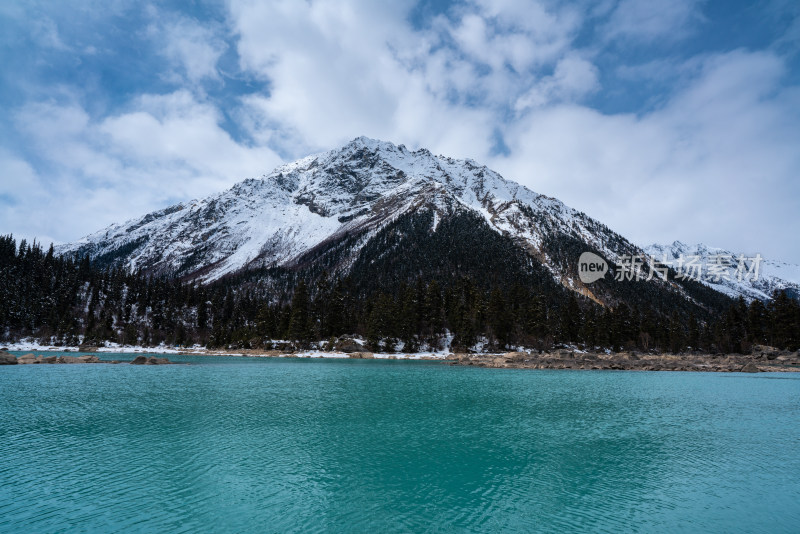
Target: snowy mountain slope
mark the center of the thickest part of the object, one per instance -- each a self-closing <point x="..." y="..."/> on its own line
<point x="357" y="189"/>
<point x="771" y="275"/>
<point x="319" y="213"/>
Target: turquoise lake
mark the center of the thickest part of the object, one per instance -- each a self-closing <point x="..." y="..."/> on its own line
<point x="295" y="445"/>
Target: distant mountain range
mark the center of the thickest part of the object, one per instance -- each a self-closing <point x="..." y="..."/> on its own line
<point x="384" y="214"/>
<point x="771" y="275"/>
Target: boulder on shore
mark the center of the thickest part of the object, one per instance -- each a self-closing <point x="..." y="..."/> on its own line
<point x="27" y="359"/>
<point x="514" y="357"/>
<point x="7" y="359"/>
<point x="361" y="355"/>
<point x="152" y="360"/>
<point x="347" y="344"/>
<point x="749" y="367"/>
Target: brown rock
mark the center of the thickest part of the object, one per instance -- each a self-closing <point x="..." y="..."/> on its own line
<point x="348" y="345"/>
<point x="139" y="360"/>
<point x="68" y="359"/>
<point x="749" y="368"/>
<point x="89" y="359"/>
<point x="26" y="359"/>
<point x="361" y="355"/>
<point x="7" y="359"/>
<point x="512" y="357"/>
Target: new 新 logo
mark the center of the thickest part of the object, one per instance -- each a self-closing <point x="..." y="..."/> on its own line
<point x="591" y="267"/>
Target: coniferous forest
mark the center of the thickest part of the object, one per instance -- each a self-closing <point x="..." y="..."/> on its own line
<point x="71" y="301"/>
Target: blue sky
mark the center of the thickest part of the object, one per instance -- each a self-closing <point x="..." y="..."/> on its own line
<point x="665" y="120"/>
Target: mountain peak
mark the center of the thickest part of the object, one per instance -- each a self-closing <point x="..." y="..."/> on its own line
<point x="372" y="145"/>
<point x="350" y="193"/>
<point x="364" y="141"/>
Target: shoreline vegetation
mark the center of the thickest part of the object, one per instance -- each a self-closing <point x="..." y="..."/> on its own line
<point x="762" y="358"/>
<point x="70" y="302"/>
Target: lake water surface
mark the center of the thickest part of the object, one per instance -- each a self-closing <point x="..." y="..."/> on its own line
<point x="296" y="445"/>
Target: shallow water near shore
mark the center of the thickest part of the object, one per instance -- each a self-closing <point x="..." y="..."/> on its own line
<point x="232" y="444"/>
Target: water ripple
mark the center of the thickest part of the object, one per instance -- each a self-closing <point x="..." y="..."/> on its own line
<point x="237" y="445"/>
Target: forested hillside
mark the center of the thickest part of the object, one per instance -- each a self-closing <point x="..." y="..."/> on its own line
<point x="59" y="300"/>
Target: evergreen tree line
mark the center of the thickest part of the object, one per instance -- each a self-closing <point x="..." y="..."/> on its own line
<point x="62" y="300"/>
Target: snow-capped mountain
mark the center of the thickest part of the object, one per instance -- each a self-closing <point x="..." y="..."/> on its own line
<point x="274" y="219"/>
<point x="324" y="211"/>
<point x="732" y="273"/>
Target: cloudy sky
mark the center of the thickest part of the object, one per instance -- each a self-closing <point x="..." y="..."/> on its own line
<point x="664" y="119"/>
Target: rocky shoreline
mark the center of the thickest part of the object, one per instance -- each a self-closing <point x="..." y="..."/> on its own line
<point x="766" y="360"/>
<point x="28" y="359"/>
<point x="761" y="359"/>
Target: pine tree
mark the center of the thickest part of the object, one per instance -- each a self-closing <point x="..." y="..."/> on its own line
<point x="299" y="324"/>
<point x="677" y="340"/>
<point x="756" y="322"/>
<point x="694" y="333"/>
<point x="570" y="319"/>
<point x="498" y="317"/>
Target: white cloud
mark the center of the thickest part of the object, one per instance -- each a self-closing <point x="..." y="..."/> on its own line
<point x="18" y="177"/>
<point x="646" y="20"/>
<point x="192" y="48"/>
<point x="164" y="149"/>
<point x="340" y="70"/>
<point x="717" y="163"/>
<point x="573" y="78"/>
<point x="718" y="142"/>
<point x="45" y="31"/>
<point x="520" y="33"/>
